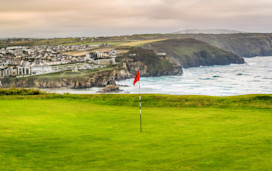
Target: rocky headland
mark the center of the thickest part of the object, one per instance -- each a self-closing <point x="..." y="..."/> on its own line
<point x="193" y="53"/>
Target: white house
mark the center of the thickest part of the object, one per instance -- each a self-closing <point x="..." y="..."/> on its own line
<point x="41" y="69"/>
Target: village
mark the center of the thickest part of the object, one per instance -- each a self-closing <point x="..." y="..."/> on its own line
<point x="23" y="61"/>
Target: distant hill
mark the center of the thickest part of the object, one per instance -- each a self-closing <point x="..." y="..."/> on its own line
<point x="193" y="53"/>
<point x="242" y="44"/>
<point x="208" y="31"/>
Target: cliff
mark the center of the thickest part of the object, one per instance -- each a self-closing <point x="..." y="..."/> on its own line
<point x="193" y="53"/>
<point x="97" y="79"/>
<point x="149" y="63"/>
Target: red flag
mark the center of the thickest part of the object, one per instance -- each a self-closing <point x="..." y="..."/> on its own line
<point x="137" y="78"/>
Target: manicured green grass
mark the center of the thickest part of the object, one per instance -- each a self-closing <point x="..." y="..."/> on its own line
<point x="101" y="132"/>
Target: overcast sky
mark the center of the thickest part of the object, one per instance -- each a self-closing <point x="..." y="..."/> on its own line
<point x="65" y="18"/>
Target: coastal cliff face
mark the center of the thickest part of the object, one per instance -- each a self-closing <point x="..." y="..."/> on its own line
<point x="151" y="65"/>
<point x="98" y="79"/>
<point x="193" y="53"/>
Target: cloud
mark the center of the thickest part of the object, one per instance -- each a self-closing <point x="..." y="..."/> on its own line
<point x="109" y="17"/>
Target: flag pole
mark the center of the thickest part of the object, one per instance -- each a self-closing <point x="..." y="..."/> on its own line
<point x="140" y="107"/>
<point x="137" y="79"/>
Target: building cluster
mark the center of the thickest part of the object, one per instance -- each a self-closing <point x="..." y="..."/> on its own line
<point x="102" y="58"/>
<point x="34" y="60"/>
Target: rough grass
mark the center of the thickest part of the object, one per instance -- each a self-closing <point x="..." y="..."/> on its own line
<point x="19" y="91"/>
<point x="101" y="132"/>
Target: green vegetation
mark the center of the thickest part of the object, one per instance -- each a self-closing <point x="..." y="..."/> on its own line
<point x="154" y="63"/>
<point x="57" y="41"/>
<point x="19" y="91"/>
<point x="64" y="74"/>
<point x="242" y="44"/>
<point x="101" y="132"/>
<point x="71" y="74"/>
<point x="193" y="53"/>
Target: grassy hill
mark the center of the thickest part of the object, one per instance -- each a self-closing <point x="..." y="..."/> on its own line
<point x="243" y="44"/>
<point x="101" y="132"/>
<point x="149" y="63"/>
<point x="194" y="53"/>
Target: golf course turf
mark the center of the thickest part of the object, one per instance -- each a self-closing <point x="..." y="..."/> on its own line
<point x="101" y="132"/>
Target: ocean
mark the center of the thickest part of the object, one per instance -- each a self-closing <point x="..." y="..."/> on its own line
<point x="253" y="77"/>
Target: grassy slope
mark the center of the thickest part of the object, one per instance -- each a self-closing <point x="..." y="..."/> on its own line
<point x="193" y="53"/>
<point x="246" y="44"/>
<point x="243" y="44"/>
<point x="101" y="132"/>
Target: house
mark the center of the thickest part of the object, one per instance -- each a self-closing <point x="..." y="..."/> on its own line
<point x="8" y="71"/>
<point x="24" y="68"/>
<point x="41" y="69"/>
<point x="105" y="61"/>
<point x="161" y="54"/>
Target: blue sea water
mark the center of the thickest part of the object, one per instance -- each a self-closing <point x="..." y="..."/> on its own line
<point x="253" y="77"/>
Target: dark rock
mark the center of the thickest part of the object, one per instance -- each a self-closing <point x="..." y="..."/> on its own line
<point x="110" y="88"/>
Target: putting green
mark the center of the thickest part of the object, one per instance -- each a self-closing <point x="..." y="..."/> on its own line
<point x="102" y="133"/>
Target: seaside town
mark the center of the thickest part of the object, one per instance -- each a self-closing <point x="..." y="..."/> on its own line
<point x="23" y="61"/>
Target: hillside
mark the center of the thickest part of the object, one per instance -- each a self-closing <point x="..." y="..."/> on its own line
<point x="245" y="45"/>
<point x="242" y="44"/>
<point x="194" y="53"/>
<point x="149" y="63"/>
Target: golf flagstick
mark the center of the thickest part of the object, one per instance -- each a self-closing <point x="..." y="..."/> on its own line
<point x="137" y="78"/>
<point x="140" y="106"/>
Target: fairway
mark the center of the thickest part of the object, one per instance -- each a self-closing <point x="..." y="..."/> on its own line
<point x="101" y="132"/>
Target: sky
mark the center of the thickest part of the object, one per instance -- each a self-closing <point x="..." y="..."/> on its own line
<point x="76" y="18"/>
